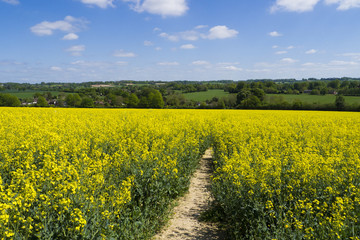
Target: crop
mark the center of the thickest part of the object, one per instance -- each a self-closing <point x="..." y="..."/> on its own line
<point x="92" y="174"/>
<point x="113" y="174"/>
<point x="288" y="175"/>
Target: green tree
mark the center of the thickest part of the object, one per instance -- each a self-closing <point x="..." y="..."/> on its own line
<point x="242" y="95"/>
<point x="77" y="100"/>
<point x="251" y="102"/>
<point x="335" y="84"/>
<point x="87" y="102"/>
<point x="155" y="99"/>
<point x="259" y="93"/>
<point x="133" y="101"/>
<point x="73" y="100"/>
<point x="69" y="99"/>
<point x="9" y="100"/>
<point x="41" y="102"/>
<point x="340" y="102"/>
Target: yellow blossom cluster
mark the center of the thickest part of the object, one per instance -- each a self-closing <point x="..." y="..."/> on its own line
<point x="92" y="174"/>
<point x="112" y="173"/>
<point x="289" y="175"/>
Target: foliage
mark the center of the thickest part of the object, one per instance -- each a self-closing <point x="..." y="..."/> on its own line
<point x="41" y="102"/>
<point x="340" y="102"/>
<point x="9" y="100"/>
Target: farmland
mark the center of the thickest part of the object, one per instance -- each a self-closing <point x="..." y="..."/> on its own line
<point x="314" y="99"/>
<point x="113" y="174"/>
<point x="208" y="95"/>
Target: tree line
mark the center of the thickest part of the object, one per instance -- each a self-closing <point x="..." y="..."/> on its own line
<point x="249" y="94"/>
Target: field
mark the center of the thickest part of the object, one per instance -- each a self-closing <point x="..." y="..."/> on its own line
<point x="208" y="95"/>
<point x="315" y="99"/>
<point x="113" y="174"/>
<point x="28" y="94"/>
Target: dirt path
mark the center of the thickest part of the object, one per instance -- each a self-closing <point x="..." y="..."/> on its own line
<point x="185" y="224"/>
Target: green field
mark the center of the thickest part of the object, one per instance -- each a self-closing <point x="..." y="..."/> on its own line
<point x="28" y="94"/>
<point x="315" y="99"/>
<point x="208" y="95"/>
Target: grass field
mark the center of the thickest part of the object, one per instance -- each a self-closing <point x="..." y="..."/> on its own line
<point x="317" y="99"/>
<point x="28" y="94"/>
<point x="208" y="95"/>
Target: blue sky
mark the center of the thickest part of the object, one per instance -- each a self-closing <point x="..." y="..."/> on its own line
<point x="111" y="40"/>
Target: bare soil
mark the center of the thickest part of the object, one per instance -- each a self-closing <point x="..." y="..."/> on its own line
<point x="185" y="224"/>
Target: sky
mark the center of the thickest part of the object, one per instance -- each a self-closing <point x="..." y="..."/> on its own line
<point x="168" y="40"/>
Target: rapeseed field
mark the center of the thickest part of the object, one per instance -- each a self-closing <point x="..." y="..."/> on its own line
<point x="112" y="174"/>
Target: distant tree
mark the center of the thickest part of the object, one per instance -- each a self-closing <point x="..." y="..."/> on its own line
<point x="221" y="104"/>
<point x="259" y="93"/>
<point x="315" y="92"/>
<point x="87" y="102"/>
<point x="251" y="102"/>
<point x="175" y="100"/>
<point x="133" y="101"/>
<point x="9" y="100"/>
<point x="242" y="95"/>
<point x="240" y="86"/>
<point x="48" y="96"/>
<point x="41" y="102"/>
<point x="69" y="99"/>
<point x="155" y="99"/>
<point x="335" y="84"/>
<point x="297" y="104"/>
<point x="151" y="98"/>
<point x="37" y="95"/>
<point x="323" y="91"/>
<point x="340" y="102"/>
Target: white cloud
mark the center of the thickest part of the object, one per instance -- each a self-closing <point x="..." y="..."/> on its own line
<point x="54" y="68"/>
<point x="99" y="3"/>
<point x="148" y="43"/>
<point x="281" y="52"/>
<point x="275" y="46"/>
<point x="200" y="62"/>
<point x="70" y="36"/>
<point x="201" y="26"/>
<point x="217" y="32"/>
<point x="69" y="24"/>
<point x="288" y="60"/>
<point x="221" y="32"/>
<point x="190" y="35"/>
<point x="187" y="35"/>
<point x="187" y="46"/>
<point x="122" y="53"/>
<point x="164" y="8"/>
<point x="231" y="68"/>
<point x="309" y="64"/>
<point x="290" y="47"/>
<point x="275" y="34"/>
<point x="342" y="63"/>
<point x="294" y="5"/>
<point x="158" y="48"/>
<point x="76" y="50"/>
<point x="168" y="63"/>
<point x="13" y="2"/>
<point x="172" y="38"/>
<point x="311" y="51"/>
<point x="351" y="54"/>
<point x="344" y="4"/>
<point x="355" y="56"/>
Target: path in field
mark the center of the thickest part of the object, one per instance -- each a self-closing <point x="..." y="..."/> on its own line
<point x="185" y="224"/>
